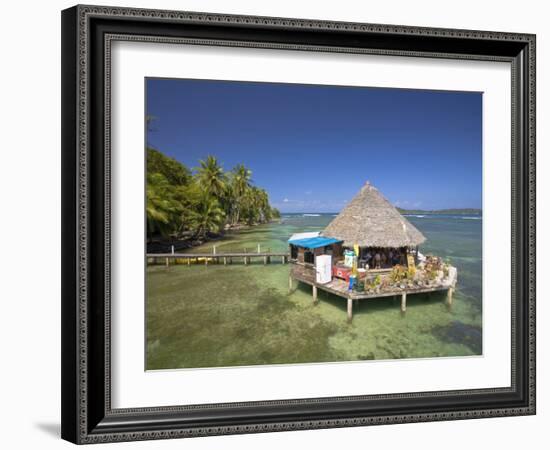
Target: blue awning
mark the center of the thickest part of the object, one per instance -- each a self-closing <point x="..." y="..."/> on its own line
<point x="314" y="242"/>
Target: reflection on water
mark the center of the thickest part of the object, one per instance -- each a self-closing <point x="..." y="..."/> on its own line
<point x="242" y="315"/>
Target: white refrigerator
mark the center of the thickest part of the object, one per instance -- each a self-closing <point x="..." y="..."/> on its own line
<point x="323" y="269"/>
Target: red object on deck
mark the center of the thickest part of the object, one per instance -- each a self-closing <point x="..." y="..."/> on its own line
<point x="341" y="272"/>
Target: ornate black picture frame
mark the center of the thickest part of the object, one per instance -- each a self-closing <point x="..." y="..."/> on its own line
<point x="87" y="34"/>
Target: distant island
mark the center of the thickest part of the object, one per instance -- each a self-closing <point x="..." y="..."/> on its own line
<point x="456" y="211"/>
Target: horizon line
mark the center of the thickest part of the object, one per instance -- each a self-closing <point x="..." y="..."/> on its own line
<point x="405" y="209"/>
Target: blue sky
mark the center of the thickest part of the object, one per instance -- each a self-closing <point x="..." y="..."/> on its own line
<point x="313" y="147"/>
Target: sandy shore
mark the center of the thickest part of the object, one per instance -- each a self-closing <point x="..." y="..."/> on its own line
<point x="184" y="243"/>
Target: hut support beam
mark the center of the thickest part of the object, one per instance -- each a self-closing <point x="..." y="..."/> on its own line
<point x="314" y="293"/>
<point x="289" y="284"/>
<point x="450" y="297"/>
<point x="350" y="309"/>
<point x="403" y="302"/>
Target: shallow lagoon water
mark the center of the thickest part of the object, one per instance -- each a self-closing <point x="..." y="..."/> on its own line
<point x="237" y="315"/>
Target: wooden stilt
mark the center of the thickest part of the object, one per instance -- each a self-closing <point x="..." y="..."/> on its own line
<point x="224" y="261"/>
<point x="350" y="309"/>
<point x="290" y="283"/>
<point x="205" y="261"/>
<point x="450" y="297"/>
<point x="265" y="260"/>
<point x="167" y="263"/>
<point x="188" y="261"/>
<point x="403" y="302"/>
<point x="314" y="292"/>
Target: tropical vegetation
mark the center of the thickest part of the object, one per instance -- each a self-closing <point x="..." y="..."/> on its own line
<point x="207" y="200"/>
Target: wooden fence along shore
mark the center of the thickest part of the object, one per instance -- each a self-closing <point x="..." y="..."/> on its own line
<point x="224" y="258"/>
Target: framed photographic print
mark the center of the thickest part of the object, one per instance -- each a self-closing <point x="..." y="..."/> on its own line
<point x="277" y="224"/>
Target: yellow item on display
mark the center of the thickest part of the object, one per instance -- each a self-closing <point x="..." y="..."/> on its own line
<point x="354" y="265"/>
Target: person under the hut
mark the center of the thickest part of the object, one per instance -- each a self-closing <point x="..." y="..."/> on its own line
<point x="377" y="260"/>
<point x="396" y="258"/>
<point x="368" y="258"/>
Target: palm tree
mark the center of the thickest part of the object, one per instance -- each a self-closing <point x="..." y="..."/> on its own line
<point x="241" y="178"/>
<point x="262" y="201"/>
<point x="207" y="217"/>
<point x="161" y="207"/>
<point x="180" y="202"/>
<point x="211" y="177"/>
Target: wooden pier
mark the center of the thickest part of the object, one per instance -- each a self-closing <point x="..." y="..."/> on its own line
<point x="224" y="258"/>
<point x="339" y="287"/>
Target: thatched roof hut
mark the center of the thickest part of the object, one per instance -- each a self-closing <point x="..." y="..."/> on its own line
<point x="370" y="220"/>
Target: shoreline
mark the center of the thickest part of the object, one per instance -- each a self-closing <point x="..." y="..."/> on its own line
<point x="165" y="245"/>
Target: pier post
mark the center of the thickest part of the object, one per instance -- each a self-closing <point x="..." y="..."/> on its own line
<point x="224" y="261"/>
<point x="350" y="309"/>
<point x="403" y="302"/>
<point x="188" y="261"/>
<point x="167" y="263"/>
<point x="289" y="284"/>
<point x="450" y="297"/>
<point x="265" y="260"/>
<point x="314" y="292"/>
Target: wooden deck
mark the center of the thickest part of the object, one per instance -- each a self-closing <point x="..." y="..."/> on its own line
<point x="306" y="274"/>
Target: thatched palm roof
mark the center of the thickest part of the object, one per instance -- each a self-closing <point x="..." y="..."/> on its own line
<point x="370" y="220"/>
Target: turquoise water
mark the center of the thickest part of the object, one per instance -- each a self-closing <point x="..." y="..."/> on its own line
<point x="234" y="315"/>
